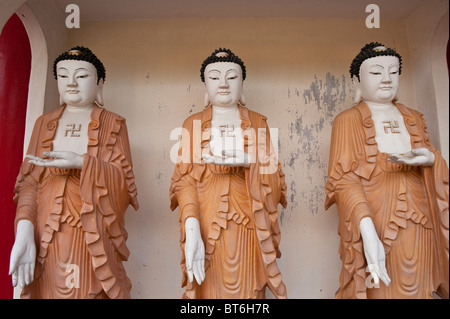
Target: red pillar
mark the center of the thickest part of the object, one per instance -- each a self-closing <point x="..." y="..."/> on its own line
<point x="15" y="66"/>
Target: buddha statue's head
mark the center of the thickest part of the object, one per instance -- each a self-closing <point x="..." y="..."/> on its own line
<point x="223" y="73"/>
<point x="375" y="74"/>
<point x="80" y="76"/>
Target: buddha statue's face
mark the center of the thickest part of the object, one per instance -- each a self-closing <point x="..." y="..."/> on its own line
<point x="223" y="83"/>
<point x="77" y="82"/>
<point x="379" y="79"/>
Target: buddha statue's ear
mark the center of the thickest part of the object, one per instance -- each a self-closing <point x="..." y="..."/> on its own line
<point x="99" y="96"/>
<point x="61" y="102"/>
<point x="357" y="98"/>
<point x="206" y="101"/>
<point x="242" y="100"/>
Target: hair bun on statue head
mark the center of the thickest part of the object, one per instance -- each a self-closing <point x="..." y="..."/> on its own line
<point x="80" y="53"/>
<point x="372" y="50"/>
<point x="222" y="55"/>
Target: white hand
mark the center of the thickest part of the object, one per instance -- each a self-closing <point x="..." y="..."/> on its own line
<point x="230" y="158"/>
<point x="374" y="252"/>
<point x="62" y="159"/>
<point x="23" y="255"/>
<point x="194" y="250"/>
<point x="417" y="157"/>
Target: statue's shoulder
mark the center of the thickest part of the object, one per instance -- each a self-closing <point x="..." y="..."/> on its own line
<point x="255" y="119"/>
<point x="199" y="116"/>
<point x="50" y="117"/>
<point x="195" y="116"/>
<point x="356" y="113"/>
<point x="256" y="115"/>
<point x="410" y="113"/>
<point x="405" y="109"/>
<point x="54" y="113"/>
<point x="106" y="112"/>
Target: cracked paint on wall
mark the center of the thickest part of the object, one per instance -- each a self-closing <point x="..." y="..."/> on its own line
<point x="326" y="95"/>
<point x="305" y="164"/>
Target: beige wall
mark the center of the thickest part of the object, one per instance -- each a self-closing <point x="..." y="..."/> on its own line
<point x="297" y="77"/>
<point x="427" y="29"/>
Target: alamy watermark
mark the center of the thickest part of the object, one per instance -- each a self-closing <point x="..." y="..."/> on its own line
<point x="373" y="19"/>
<point x="370" y="283"/>
<point x="73" y="19"/>
<point x="73" y="277"/>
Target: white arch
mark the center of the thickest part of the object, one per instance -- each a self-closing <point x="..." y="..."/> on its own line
<point x="38" y="75"/>
<point x="440" y="73"/>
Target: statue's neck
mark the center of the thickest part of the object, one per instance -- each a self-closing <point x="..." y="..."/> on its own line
<point x="380" y="106"/>
<point x="225" y="109"/>
<point x="225" y="113"/>
<point x="72" y="108"/>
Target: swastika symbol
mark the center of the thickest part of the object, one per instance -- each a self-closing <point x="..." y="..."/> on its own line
<point x="227" y="129"/>
<point x="392" y="125"/>
<point x="74" y="132"/>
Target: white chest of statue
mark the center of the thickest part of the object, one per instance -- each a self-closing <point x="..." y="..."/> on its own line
<point x="226" y="131"/>
<point x="72" y="132"/>
<point x="392" y="135"/>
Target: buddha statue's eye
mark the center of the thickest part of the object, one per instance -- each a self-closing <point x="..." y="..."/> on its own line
<point x="393" y="70"/>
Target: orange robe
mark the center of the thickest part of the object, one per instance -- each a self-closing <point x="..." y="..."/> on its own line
<point x="236" y="208"/>
<point x="408" y="206"/>
<point x="78" y="215"/>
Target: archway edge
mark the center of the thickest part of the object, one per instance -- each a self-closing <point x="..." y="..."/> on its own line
<point x="39" y="64"/>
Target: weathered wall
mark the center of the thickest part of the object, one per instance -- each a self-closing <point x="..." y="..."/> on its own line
<point x="427" y="29"/>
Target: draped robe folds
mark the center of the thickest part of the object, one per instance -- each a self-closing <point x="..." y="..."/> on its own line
<point x="236" y="208"/>
<point x="408" y="205"/>
<point x="78" y="215"/>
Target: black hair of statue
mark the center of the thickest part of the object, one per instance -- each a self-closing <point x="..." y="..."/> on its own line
<point x="85" y="55"/>
<point x="368" y="52"/>
<point x="229" y="57"/>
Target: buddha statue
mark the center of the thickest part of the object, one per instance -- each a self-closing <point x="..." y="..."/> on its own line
<point x="390" y="185"/>
<point x="72" y="192"/>
<point x="227" y="184"/>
